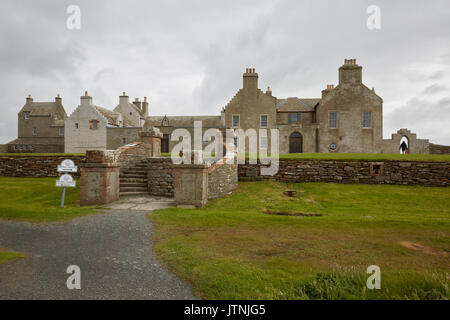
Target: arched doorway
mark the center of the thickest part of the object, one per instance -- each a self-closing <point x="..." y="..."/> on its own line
<point x="406" y="140"/>
<point x="296" y="142"/>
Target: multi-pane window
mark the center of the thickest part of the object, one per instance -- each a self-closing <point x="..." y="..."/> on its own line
<point x="263" y="121"/>
<point x="61" y="131"/>
<point x="263" y="142"/>
<point x="236" y="121"/>
<point x="332" y="122"/>
<point x="367" y="119"/>
<point x="294" y="117"/>
<point x="34" y="131"/>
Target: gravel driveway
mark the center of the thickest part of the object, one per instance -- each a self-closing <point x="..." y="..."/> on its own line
<point x="113" y="251"/>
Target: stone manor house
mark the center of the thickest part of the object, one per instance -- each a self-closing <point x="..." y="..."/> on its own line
<point x="346" y="118"/>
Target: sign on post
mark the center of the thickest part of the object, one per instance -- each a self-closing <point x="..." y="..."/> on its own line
<point x="66" y="180"/>
<point x="67" y="166"/>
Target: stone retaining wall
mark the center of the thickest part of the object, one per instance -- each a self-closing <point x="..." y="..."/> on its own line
<point x="160" y="177"/>
<point x="386" y="172"/>
<point x="35" y="166"/>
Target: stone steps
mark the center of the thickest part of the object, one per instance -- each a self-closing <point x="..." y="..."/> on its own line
<point x="133" y="189"/>
<point x="125" y="194"/>
<point x="133" y="180"/>
<point x="133" y="184"/>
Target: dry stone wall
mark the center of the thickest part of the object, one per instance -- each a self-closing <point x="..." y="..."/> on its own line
<point x="35" y="166"/>
<point x="386" y="172"/>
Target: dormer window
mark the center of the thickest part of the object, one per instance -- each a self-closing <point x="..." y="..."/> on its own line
<point x="27" y="114"/>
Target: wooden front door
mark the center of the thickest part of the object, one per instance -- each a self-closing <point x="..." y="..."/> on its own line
<point x="296" y="142"/>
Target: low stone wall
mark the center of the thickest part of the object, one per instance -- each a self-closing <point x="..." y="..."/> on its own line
<point x="35" y="166"/>
<point x="160" y="177"/>
<point x="439" y="149"/>
<point x="222" y="180"/>
<point x="386" y="172"/>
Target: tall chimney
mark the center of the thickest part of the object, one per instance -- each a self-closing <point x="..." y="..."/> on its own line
<point x="29" y="99"/>
<point x="350" y="72"/>
<point x="58" y="99"/>
<point x="250" y="79"/>
<point x="86" y="100"/>
<point x="137" y="103"/>
<point x="145" y="107"/>
<point x="124" y="99"/>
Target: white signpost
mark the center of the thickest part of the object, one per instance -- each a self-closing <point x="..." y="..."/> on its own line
<point x="66" y="180"/>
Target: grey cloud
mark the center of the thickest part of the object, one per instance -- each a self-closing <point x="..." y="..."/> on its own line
<point x="435" y="88"/>
<point x="188" y="56"/>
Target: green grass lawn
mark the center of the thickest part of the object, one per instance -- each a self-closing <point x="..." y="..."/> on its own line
<point x="232" y="250"/>
<point x="38" y="200"/>
<point x="7" y="255"/>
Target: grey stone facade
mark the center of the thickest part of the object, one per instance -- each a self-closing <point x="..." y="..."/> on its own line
<point x="40" y="127"/>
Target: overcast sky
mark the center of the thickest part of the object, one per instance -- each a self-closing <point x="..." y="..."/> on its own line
<point x="188" y="56"/>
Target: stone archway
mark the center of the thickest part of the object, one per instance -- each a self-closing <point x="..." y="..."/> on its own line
<point x="406" y="140"/>
<point x="295" y="142"/>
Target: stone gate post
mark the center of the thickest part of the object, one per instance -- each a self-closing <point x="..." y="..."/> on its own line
<point x="99" y="183"/>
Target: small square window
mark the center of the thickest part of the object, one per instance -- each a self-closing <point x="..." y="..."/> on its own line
<point x="124" y="140"/>
<point x="93" y="124"/>
<point x="76" y="125"/>
<point x="236" y="121"/>
<point x="264" y="121"/>
<point x="27" y="114"/>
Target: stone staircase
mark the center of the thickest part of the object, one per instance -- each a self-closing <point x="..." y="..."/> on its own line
<point x="133" y="180"/>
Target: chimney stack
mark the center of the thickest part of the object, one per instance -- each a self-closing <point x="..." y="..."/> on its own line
<point x="29" y="99"/>
<point x="268" y="91"/>
<point x="86" y="99"/>
<point x="350" y="72"/>
<point x="145" y="107"/>
<point x="58" y="99"/>
<point x="124" y="99"/>
<point x="137" y="103"/>
<point x="250" y="80"/>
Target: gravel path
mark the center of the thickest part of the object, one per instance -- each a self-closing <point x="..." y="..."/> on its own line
<point x="113" y="251"/>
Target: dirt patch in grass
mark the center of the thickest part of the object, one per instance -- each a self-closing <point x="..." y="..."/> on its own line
<point x="424" y="249"/>
<point x="292" y="214"/>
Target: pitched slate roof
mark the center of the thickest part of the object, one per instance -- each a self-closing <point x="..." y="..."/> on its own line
<point x="51" y="109"/>
<point x="185" y="121"/>
<point x="111" y="116"/>
<point x="296" y="104"/>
